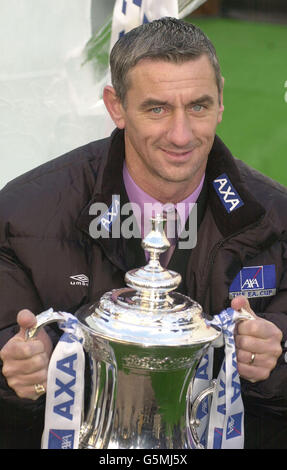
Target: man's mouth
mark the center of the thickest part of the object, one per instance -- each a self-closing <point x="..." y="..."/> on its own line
<point x="178" y="153"/>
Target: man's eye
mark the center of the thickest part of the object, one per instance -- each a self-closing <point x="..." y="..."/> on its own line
<point x="197" y="107"/>
<point x="157" y="110"/>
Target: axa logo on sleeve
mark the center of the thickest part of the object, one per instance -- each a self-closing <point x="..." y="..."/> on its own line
<point x="254" y="281"/>
<point x="227" y="194"/>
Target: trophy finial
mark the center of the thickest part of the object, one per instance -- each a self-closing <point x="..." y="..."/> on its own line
<point x="156" y="242"/>
<point x="153" y="282"/>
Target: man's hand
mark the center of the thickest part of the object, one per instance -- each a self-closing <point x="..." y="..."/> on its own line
<point x="25" y="363"/>
<point x="257" y="344"/>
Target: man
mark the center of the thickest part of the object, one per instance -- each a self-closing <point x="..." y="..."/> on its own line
<point x="166" y="102"/>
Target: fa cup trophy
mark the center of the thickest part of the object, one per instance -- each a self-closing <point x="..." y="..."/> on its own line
<point x="143" y="344"/>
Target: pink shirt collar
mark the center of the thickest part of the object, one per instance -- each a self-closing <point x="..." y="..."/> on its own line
<point x="145" y="203"/>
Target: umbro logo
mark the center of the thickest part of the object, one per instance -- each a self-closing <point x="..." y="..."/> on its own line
<point x="79" y="280"/>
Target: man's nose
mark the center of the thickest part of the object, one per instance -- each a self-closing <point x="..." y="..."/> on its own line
<point x="180" y="131"/>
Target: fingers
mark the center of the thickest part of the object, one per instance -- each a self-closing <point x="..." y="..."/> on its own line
<point x="24" y="385"/>
<point x="255" y="360"/>
<point x="17" y="349"/>
<point x="260" y="328"/>
<point x="24" y="366"/>
<point x="255" y="367"/>
<point x="258" y="344"/>
<point x="242" y="302"/>
<point x="259" y="336"/>
<point x="25" y="319"/>
<point x="25" y="363"/>
<point x="259" y="340"/>
<point x="29" y="392"/>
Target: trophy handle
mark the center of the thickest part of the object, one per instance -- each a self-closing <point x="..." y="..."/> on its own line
<point x="243" y="314"/>
<point x="194" y="422"/>
<point x="96" y="427"/>
<point x="43" y="319"/>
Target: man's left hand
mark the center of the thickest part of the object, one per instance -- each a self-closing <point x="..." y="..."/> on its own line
<point x="258" y="344"/>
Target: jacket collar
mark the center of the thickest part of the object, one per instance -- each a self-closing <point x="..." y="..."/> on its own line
<point x="109" y="189"/>
<point x="108" y="179"/>
<point x="233" y="206"/>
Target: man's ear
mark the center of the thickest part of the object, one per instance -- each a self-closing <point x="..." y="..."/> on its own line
<point x="114" y="106"/>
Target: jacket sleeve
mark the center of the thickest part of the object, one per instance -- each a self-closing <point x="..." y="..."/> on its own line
<point x="16" y="288"/>
<point x="18" y="417"/>
<point x="274" y="389"/>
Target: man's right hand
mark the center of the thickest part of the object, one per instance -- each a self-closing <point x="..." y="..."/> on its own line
<point x="25" y="363"/>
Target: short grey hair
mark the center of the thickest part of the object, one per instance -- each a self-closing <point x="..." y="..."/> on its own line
<point x="166" y="39"/>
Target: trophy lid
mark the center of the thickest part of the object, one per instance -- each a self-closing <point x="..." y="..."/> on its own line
<point x="148" y="312"/>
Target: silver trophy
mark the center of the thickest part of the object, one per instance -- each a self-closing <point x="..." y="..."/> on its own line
<point x="144" y="343"/>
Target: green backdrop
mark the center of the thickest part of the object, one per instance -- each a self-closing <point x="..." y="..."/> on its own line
<point x="253" y="58"/>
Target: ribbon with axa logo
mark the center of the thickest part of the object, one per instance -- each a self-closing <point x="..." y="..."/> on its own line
<point x="221" y="424"/>
<point x="65" y="389"/>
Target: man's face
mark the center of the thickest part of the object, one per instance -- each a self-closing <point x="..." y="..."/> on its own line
<point x="170" y="117"/>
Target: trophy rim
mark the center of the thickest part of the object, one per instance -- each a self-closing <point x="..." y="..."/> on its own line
<point x="177" y="327"/>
